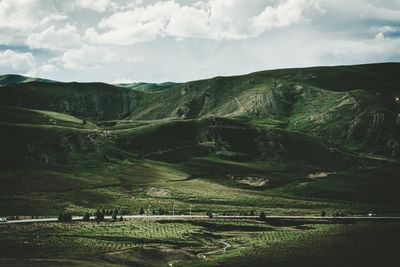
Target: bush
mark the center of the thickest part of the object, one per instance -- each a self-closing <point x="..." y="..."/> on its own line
<point x="141" y="211"/>
<point x="161" y="211"/>
<point x="99" y="215"/>
<point x="65" y="217"/>
<point x="86" y="218"/>
<point x="263" y="217"/>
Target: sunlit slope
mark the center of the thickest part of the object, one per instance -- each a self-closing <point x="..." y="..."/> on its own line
<point x="15" y="79"/>
<point x="149" y="87"/>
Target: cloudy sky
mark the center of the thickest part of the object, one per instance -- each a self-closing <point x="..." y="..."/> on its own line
<point x="181" y="40"/>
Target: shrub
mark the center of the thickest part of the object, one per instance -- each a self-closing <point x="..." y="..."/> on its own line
<point x="86" y="218"/>
<point x="65" y="217"/>
<point x="141" y="211"/>
<point x="99" y="215"/>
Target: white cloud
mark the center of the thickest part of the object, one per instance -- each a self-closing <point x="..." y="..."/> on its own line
<point x="383" y="29"/>
<point x="87" y="57"/>
<point x="191" y="39"/>
<point x="20" y="18"/>
<point x="14" y="62"/>
<point x="122" y="81"/>
<point x="95" y="5"/>
<point x="376" y="49"/>
<point x="371" y="11"/>
<point x="134" y="26"/>
<point x="52" y="18"/>
<point x="285" y="14"/>
<point x="24" y="14"/>
<point x="212" y="19"/>
<point x="55" y="39"/>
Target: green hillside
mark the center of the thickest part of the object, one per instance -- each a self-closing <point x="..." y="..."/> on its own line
<point x="15" y="79"/>
<point x="149" y="87"/>
<point x="295" y="141"/>
<point x="96" y="101"/>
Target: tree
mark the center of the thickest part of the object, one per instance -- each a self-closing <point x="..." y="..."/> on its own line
<point x="65" y="217"/>
<point x="99" y="215"/>
<point x="114" y="216"/>
<point x="61" y="216"/>
<point x="263" y="217"/>
<point x="86" y="218"/>
<point x="209" y="214"/>
<point x="323" y="213"/>
<point x="252" y="213"/>
<point x="121" y="219"/>
<point x="161" y="211"/>
<point x="141" y="211"/>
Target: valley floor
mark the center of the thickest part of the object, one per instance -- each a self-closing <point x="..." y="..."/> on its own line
<point x="201" y="242"/>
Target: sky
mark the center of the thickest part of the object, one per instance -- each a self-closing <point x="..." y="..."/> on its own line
<point x="121" y="41"/>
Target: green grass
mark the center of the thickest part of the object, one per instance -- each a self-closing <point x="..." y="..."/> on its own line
<point x="40" y="117"/>
<point x="219" y="164"/>
<point x="188" y="243"/>
<point x="286" y="142"/>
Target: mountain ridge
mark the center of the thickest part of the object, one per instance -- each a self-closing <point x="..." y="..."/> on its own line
<point x="78" y="146"/>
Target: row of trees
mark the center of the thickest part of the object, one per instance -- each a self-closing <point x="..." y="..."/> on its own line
<point x="160" y="211"/>
<point x="65" y="217"/>
<point x="262" y="215"/>
<point x="99" y="215"/>
<point x="335" y="214"/>
<point x="110" y="212"/>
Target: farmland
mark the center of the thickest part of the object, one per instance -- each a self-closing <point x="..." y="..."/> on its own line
<point x="304" y="142"/>
<point x="203" y="242"/>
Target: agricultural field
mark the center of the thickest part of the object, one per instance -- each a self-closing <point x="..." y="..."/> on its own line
<point x="302" y="142"/>
<point x="206" y="242"/>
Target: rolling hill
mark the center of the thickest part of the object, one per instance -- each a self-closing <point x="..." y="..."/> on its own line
<point x="258" y="137"/>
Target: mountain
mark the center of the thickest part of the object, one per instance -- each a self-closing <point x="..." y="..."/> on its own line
<point x="97" y="101"/>
<point x="354" y="106"/>
<point x="264" y="132"/>
<point x="149" y="87"/>
<point x="14" y="78"/>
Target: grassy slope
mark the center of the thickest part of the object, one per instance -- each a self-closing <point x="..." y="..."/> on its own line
<point x="164" y="243"/>
<point x="284" y="142"/>
<point x="15" y="79"/>
<point x="256" y="138"/>
<point x="95" y="101"/>
<point x="149" y="87"/>
<point x="83" y="169"/>
<point x="353" y="105"/>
